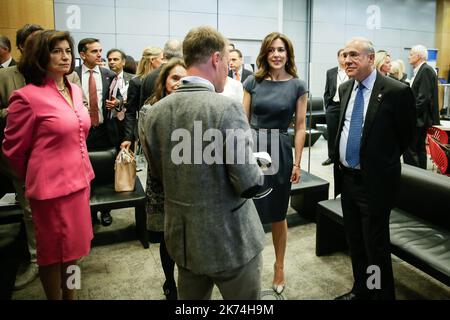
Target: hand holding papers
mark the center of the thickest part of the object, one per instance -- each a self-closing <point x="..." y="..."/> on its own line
<point x="264" y="162"/>
<point x="263" y="159"/>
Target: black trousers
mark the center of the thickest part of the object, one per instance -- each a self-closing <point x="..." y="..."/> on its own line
<point x="332" y="117"/>
<point x="416" y="154"/>
<point x="367" y="233"/>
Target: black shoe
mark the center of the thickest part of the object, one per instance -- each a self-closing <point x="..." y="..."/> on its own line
<point x="106" y="218"/>
<point x="351" y="296"/>
<point x="327" y="162"/>
<point x="170" y="290"/>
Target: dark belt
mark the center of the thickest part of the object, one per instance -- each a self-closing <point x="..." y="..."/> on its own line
<point x="349" y="171"/>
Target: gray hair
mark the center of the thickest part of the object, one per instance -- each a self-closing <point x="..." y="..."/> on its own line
<point x="5" y="43"/>
<point x="367" y="44"/>
<point x="173" y="49"/>
<point x="421" y="50"/>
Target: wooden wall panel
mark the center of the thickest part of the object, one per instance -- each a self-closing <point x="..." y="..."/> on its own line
<point x="443" y="41"/>
<point x="14" y="14"/>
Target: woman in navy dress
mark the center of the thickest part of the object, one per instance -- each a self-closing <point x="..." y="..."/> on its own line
<point x="271" y="98"/>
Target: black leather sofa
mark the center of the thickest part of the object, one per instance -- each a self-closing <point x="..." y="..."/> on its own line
<point x="315" y="112"/>
<point x="419" y="224"/>
<point x="105" y="198"/>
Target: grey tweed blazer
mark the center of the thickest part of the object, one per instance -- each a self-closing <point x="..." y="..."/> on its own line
<point x="209" y="227"/>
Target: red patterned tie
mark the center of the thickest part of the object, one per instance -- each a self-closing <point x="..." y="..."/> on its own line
<point x="93" y="100"/>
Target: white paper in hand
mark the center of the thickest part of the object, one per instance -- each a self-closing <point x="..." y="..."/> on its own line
<point x="263" y="159"/>
<point x="264" y="162"/>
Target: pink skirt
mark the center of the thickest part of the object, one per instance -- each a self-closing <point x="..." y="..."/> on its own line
<point x="63" y="227"/>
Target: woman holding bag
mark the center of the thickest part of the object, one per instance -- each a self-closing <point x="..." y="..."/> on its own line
<point x="45" y="145"/>
<point x="167" y="82"/>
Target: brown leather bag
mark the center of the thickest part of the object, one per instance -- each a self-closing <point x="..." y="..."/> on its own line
<point x="125" y="171"/>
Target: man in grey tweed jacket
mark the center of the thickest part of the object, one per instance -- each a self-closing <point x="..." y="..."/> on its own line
<point x="211" y="230"/>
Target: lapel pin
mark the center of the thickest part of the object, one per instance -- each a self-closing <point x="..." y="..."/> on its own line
<point x="380" y="96"/>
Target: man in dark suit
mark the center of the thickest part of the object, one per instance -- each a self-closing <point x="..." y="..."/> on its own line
<point x="424" y="85"/>
<point x="237" y="70"/>
<point x="376" y="125"/>
<point x="104" y="132"/>
<point x="116" y="62"/>
<point x="6" y="60"/>
<point x="335" y="77"/>
<point x="96" y="82"/>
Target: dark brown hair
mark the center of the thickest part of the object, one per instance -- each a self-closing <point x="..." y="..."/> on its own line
<point x="82" y="45"/>
<point x="238" y="52"/>
<point x="122" y="54"/>
<point x="160" y="84"/>
<point x="263" y="64"/>
<point x="23" y="33"/>
<point x="36" y="55"/>
<point x="130" y="65"/>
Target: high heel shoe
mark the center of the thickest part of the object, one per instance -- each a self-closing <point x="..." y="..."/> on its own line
<point x="278" y="287"/>
<point x="170" y="290"/>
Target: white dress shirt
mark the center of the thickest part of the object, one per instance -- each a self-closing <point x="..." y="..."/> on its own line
<point x="6" y="63"/>
<point x="340" y="79"/>
<point x="416" y="69"/>
<point x="368" y="84"/>
<point x="195" y="79"/>
<point x="99" y="85"/>
<point x="241" y="69"/>
<point x="233" y="89"/>
<point x="120" y="86"/>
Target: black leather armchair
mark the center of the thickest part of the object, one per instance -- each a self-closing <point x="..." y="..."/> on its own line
<point x="12" y="242"/>
<point x="104" y="197"/>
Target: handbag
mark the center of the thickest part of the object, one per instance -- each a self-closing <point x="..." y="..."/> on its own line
<point x="125" y="171"/>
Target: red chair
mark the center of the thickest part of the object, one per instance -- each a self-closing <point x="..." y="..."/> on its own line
<point x="438" y="155"/>
<point x="438" y="134"/>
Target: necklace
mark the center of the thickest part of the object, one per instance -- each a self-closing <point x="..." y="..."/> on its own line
<point x="61" y="90"/>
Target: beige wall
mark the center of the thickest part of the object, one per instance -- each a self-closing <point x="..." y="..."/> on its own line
<point x="443" y="40"/>
<point x="16" y="13"/>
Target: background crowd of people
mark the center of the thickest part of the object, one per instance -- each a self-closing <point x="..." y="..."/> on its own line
<point x="53" y="114"/>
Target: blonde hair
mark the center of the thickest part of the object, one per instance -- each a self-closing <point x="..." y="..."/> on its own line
<point x="402" y="64"/>
<point x="145" y="64"/>
<point x="380" y="58"/>
<point x="397" y="69"/>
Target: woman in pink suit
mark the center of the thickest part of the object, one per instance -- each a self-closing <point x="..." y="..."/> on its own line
<point x="45" y="144"/>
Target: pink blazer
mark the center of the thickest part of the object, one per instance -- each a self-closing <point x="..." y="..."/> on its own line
<point x="45" y="140"/>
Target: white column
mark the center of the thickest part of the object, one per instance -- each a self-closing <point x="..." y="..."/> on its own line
<point x="280" y="16"/>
